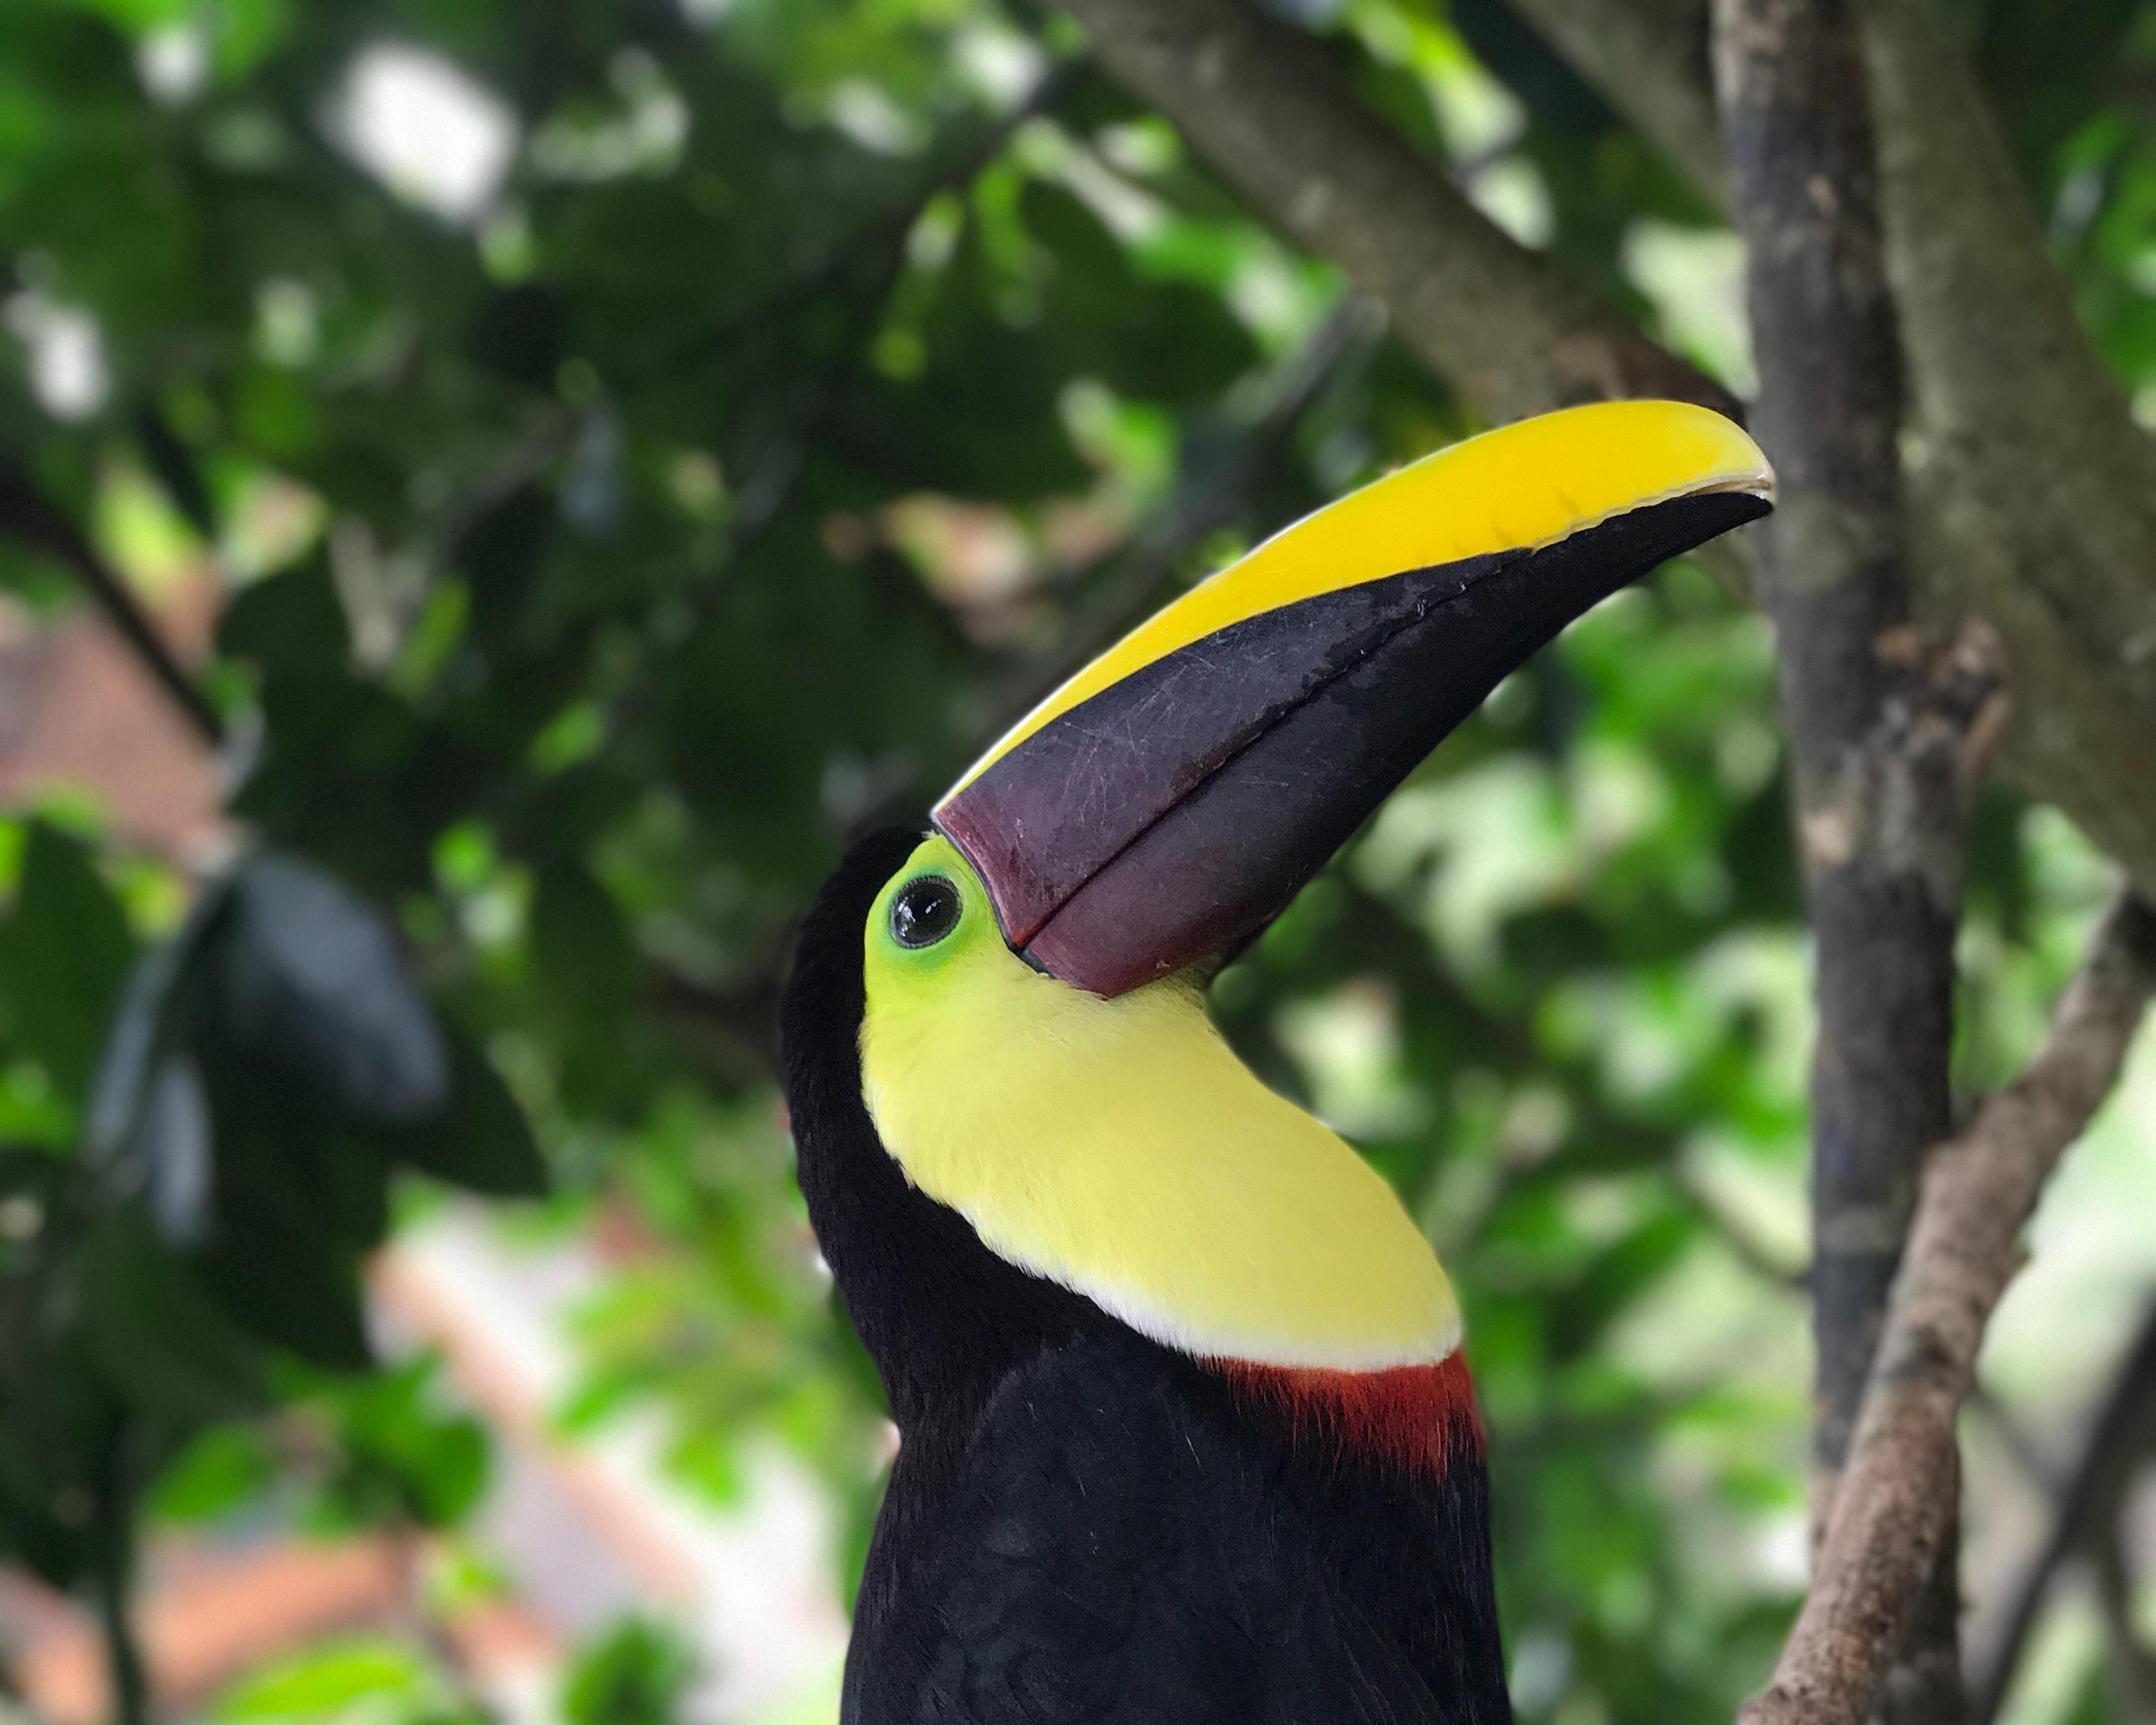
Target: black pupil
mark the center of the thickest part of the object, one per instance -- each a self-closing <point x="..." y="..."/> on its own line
<point x="924" y="911"/>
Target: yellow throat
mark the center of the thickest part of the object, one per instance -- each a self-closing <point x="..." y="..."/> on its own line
<point x="1119" y="1148"/>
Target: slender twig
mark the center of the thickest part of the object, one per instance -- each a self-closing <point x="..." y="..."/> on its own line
<point x="2019" y="1443"/>
<point x="29" y="513"/>
<point x="1644" y="60"/>
<point x="2133" y="1669"/>
<point x="1895" y="1506"/>
<point x="1739" y="1237"/>
<point x="112" y="1573"/>
<point x="2118" y="1440"/>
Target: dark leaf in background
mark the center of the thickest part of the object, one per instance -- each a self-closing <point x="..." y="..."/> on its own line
<point x="317" y="982"/>
<point x="141" y="1021"/>
<point x="156" y="1334"/>
<point x="479" y="1139"/>
<point x="294" y="1206"/>
<point x="582" y="942"/>
<point x="501" y="555"/>
<point x="291" y="624"/>
<point x="521" y="332"/>
<point x="291" y="1283"/>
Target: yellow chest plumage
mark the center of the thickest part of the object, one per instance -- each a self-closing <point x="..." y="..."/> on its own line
<point x="1119" y="1147"/>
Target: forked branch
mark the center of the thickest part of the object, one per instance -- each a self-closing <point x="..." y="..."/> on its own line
<point x="1979" y="1188"/>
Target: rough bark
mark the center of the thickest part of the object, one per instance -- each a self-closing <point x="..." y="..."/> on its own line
<point x="2041" y="490"/>
<point x="1883" y="735"/>
<point x="1505" y="326"/>
<point x="1979" y="1188"/>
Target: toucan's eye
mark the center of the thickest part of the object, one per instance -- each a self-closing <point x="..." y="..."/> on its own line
<point x="925" y="911"/>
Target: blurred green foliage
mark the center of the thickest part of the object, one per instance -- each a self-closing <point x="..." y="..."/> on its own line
<point x="698" y="456"/>
<point x="635" y="1675"/>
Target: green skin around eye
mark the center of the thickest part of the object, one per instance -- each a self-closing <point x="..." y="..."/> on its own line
<point x="965" y="927"/>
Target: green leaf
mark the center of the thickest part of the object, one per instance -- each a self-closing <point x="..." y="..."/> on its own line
<point x="219" y="1472"/>
<point x="64" y="953"/>
<point x="295" y="1203"/>
<point x="324" y="1681"/>
<point x="404" y="1455"/>
<point x="583" y="942"/>
<point x="635" y="1674"/>
<point x="140" y="17"/>
<point x="248" y="32"/>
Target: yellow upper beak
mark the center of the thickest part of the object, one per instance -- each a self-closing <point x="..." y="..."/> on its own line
<point x="1520" y="488"/>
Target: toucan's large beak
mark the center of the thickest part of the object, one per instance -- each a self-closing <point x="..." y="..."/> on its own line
<point x="1166" y="803"/>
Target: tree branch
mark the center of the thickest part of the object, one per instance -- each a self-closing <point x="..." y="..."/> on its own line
<point x="1505" y="326"/>
<point x="2042" y="490"/>
<point x="1979" y="1188"/>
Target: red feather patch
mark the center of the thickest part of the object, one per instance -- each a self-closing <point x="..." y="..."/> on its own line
<point x="1416" y="1417"/>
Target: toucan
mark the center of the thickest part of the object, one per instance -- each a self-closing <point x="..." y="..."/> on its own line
<point x="1185" y="1433"/>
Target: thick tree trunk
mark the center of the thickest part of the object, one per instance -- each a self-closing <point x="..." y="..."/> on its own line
<point x="1885" y="888"/>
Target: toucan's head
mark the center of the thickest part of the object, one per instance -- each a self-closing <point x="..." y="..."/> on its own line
<point x="1033" y="1050"/>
